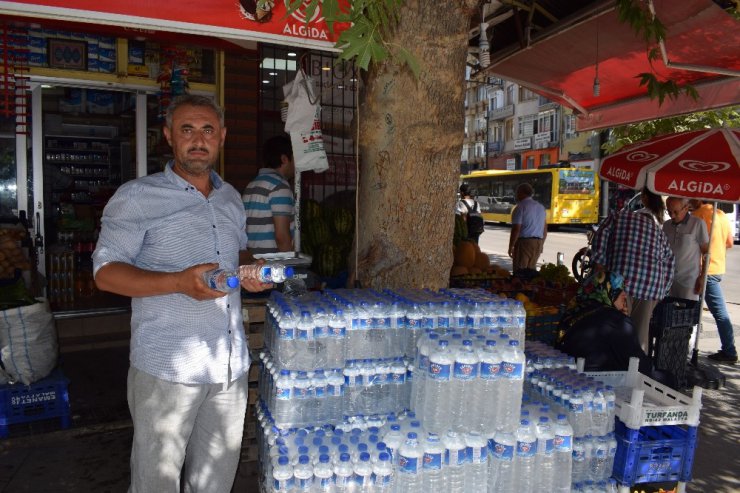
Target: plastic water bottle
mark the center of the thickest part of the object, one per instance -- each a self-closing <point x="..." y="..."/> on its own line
<point x="490" y="378"/>
<point x="545" y="458"/>
<point x="303" y="474"/>
<point x="320" y="387"/>
<point x="221" y="280"/>
<point x="383" y="473"/>
<point x="612" y="453"/>
<point x="511" y="385"/>
<point x="524" y="462"/>
<point x="501" y="464"/>
<point x="563" y="444"/>
<point x="334" y="396"/>
<point x="476" y="477"/>
<point x="271" y="272"/>
<point x="577" y="414"/>
<point x="414" y="328"/>
<point x="393" y="439"/>
<point x="455" y="462"/>
<point x="409" y="477"/>
<point x="580" y="466"/>
<point x="303" y="398"/>
<point x="282" y="476"/>
<point x="437" y="388"/>
<point x="434" y="453"/>
<point x="588" y="407"/>
<point x="283" y="411"/>
<point x="611" y="398"/>
<point x="344" y="474"/>
<point x="599" y="459"/>
<point x="336" y="339"/>
<point x="364" y="474"/>
<point x="599" y="413"/>
<point x="464" y="395"/>
<point x="324" y="475"/>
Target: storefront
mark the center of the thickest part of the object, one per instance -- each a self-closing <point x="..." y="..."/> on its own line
<point x="82" y="108"/>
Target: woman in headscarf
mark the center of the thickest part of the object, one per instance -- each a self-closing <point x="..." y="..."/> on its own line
<point x="596" y="326"/>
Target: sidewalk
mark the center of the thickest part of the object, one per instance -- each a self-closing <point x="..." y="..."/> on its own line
<point x="92" y="455"/>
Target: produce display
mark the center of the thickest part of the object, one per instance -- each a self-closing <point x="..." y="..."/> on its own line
<point x="327" y="232"/>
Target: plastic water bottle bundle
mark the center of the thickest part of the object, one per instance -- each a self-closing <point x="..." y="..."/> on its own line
<point x="541" y="355"/>
<point x="374" y="387"/>
<point x="605" y="486"/>
<point x="593" y="458"/>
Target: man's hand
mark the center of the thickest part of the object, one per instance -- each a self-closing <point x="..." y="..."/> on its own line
<point x="190" y="282"/>
<point x="254" y="285"/>
<point x="511" y="251"/>
<point x="699" y="284"/>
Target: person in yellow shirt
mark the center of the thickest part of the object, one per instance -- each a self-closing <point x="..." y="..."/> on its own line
<point x="721" y="240"/>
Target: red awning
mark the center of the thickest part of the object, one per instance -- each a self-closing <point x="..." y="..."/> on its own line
<point x="702" y="47"/>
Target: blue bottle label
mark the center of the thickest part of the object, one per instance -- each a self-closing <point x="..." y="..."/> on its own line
<point x="489" y="371"/>
<point x="302" y="392"/>
<point x="610" y="405"/>
<point x="338" y="332"/>
<point x="364" y="480"/>
<point x="350" y="380"/>
<point x="320" y="331"/>
<point x="456" y="457"/>
<point x="576" y="407"/>
<point x="428" y="322"/>
<point x="563" y="442"/>
<point x="303" y="334"/>
<point x="549" y="446"/>
<point x="286" y="334"/>
<point x="413" y="323"/>
<point x="319" y="391"/>
<point x="326" y="483"/>
<point x="598" y="407"/>
<point x="398" y="378"/>
<point x="439" y="372"/>
<point x="579" y="455"/>
<point x="380" y="379"/>
<point x="365" y="323"/>
<point x="423" y="362"/>
<point x="335" y="390"/>
<point x="305" y="484"/>
<point x="383" y="322"/>
<point x="461" y="322"/>
<point x="283" y="393"/>
<point x="466" y="371"/>
<point x="400" y="322"/>
<point x="526" y="449"/>
<point x="503" y="452"/>
<point x="443" y="322"/>
<point x="408" y="465"/>
<point x="432" y="461"/>
<point x="383" y="480"/>
<point x="478" y="455"/>
<point x="512" y="370"/>
<point x="283" y="484"/>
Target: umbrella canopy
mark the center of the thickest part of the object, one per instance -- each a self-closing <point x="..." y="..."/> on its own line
<point x="700" y="164"/>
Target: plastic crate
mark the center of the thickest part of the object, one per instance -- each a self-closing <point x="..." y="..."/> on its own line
<point x="641" y="401"/>
<point x="654" y="453"/>
<point x="47" y="398"/>
<point x="543" y="327"/>
<point x="672" y="352"/>
<point x="672" y="313"/>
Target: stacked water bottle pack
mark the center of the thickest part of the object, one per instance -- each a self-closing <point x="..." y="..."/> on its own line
<point x="589" y="407"/>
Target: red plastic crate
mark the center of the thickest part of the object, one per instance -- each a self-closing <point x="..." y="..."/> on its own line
<point x="47" y="398"/>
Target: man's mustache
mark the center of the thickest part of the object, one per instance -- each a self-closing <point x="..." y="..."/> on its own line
<point x="198" y="149"/>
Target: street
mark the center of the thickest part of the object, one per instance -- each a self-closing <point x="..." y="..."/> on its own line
<point x="495" y="241"/>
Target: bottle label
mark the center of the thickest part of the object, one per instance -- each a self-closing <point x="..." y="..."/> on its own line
<point x="478" y="455"/>
<point x="302" y="392"/>
<point x="428" y="322"/>
<point x="398" y="377"/>
<point x="512" y="370"/>
<point x="304" y="334"/>
<point x="379" y="379"/>
<point x="489" y="371"/>
<point x="326" y="483"/>
<point x="466" y="371"/>
<point x="413" y="323"/>
<point x="319" y="391"/>
<point x="408" y="465"/>
<point x="383" y="480"/>
<point x="286" y="334"/>
<point x="350" y="380"/>
<point x="433" y="461"/>
<point x="320" y="331"/>
<point x="283" y="484"/>
<point x="456" y="457"/>
<point x="365" y="323"/>
<point x="601" y="453"/>
<point x="335" y="390"/>
<point x="400" y="322"/>
<point x="423" y="362"/>
<point x="304" y="483"/>
<point x="610" y="405"/>
<point x="598" y="407"/>
<point x="576" y="407"/>
<point x="503" y="452"/>
<point x="383" y="322"/>
<point x="526" y="449"/>
<point x="283" y="393"/>
<point x="461" y="322"/>
<point x="443" y="322"/>
<point x="549" y="446"/>
<point x="438" y="371"/>
<point x="579" y="455"/>
<point x="364" y="480"/>
<point x="338" y="332"/>
<point x="563" y="443"/>
<point x="344" y="481"/>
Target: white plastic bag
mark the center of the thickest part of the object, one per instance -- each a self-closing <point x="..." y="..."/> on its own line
<point x="303" y="123"/>
<point x="28" y="343"/>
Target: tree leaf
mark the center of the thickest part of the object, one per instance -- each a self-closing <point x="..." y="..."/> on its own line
<point x="410" y="60"/>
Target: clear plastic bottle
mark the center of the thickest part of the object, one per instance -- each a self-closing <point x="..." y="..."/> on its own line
<point x="599" y="459"/>
<point x="334" y="396"/>
<point x="320" y="387"/>
<point x="364" y="474"/>
<point x="524" y="462"/>
<point x="490" y="378"/>
<point x="413" y="328"/>
<point x="323" y="473"/>
<point x="476" y="477"/>
<point x="501" y="463"/>
<point x="221" y="280"/>
<point x="456" y="458"/>
<point x="599" y="413"/>
<point x="511" y="385"/>
<point x="336" y="339"/>
<point x="303" y="474"/>
<point x="383" y="473"/>
<point x="409" y="466"/>
<point x="344" y="474"/>
<point x="563" y="443"/>
<point x="611" y="398"/>
<point x="303" y="398"/>
<point x="437" y="388"/>
<point x="434" y="452"/>
<point x="577" y="414"/>
<point x="270" y="272"/>
<point x="284" y="405"/>
<point x="580" y="466"/>
<point x="464" y="395"/>
<point x="612" y="453"/>
<point x="393" y="439"/>
<point x="545" y="458"/>
<point x="282" y="476"/>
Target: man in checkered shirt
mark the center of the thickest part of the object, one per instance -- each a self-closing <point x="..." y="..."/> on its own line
<point x="634" y="245"/>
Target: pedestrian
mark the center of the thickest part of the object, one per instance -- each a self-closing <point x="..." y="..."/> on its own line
<point x="470" y="210"/>
<point x="528" y="229"/>
<point x="632" y="243"/>
<point x="720" y="241"/>
<point x="269" y="202"/>
<point x="187" y="385"/>
<point x="688" y="238"/>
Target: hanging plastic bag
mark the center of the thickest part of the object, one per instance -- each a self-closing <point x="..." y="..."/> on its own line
<point x="303" y="123"/>
<point x="28" y="343"/>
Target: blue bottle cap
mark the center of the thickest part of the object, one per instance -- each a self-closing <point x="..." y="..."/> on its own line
<point x="289" y="272"/>
<point x="232" y="282"/>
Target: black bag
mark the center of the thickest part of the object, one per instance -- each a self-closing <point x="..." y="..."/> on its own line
<point x="476" y="225"/>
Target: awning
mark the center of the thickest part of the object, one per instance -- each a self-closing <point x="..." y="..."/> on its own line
<point x="702" y="48"/>
<point x="233" y="20"/>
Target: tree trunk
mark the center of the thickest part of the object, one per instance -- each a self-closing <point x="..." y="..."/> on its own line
<point x="411" y="135"/>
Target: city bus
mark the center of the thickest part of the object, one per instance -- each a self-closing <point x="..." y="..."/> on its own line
<point x="570" y="195"/>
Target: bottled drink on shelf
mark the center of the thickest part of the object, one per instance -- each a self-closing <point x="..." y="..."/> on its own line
<point x="221" y="280"/>
<point x="563" y="442"/>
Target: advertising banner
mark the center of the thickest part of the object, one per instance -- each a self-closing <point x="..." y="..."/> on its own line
<point x="229" y="19"/>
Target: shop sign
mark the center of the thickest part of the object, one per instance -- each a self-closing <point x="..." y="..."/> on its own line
<point x="521" y="144"/>
<point x="229" y="19"/>
<point x="541" y="140"/>
<point x="511" y="164"/>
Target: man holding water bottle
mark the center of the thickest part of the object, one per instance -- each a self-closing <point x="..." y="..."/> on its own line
<point x="187" y="381"/>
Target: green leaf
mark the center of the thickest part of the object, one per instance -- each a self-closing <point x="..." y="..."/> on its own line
<point x="406" y="57"/>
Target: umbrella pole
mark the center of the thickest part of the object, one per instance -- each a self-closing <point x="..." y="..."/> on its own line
<point x="704" y="275"/>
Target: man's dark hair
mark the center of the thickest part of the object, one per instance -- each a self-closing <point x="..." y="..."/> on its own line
<point x="654" y="203"/>
<point x="274" y="148"/>
<point x="193" y="100"/>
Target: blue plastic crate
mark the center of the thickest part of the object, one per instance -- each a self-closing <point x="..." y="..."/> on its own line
<point x="654" y="453"/>
<point x="47" y="398"/>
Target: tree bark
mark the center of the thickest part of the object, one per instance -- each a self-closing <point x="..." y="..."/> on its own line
<point x="411" y="135"/>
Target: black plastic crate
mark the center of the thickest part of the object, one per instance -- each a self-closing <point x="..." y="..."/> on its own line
<point x="672" y="312"/>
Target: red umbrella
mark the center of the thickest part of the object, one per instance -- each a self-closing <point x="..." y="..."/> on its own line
<point x="700" y="164"/>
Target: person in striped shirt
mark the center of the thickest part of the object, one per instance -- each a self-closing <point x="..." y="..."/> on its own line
<point x="269" y="202"/>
